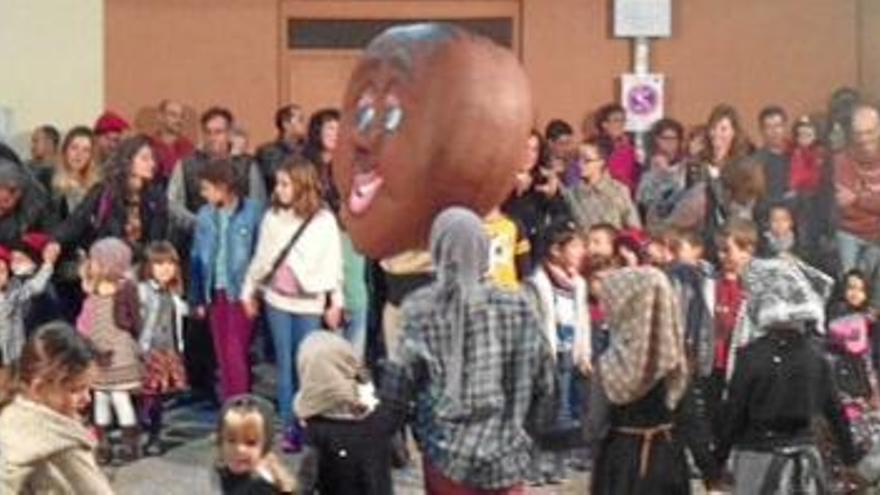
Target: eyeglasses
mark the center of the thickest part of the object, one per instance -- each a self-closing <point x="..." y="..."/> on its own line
<point x="668" y="137"/>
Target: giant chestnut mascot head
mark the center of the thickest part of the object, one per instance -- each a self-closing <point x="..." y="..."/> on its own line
<point x="433" y="116"/>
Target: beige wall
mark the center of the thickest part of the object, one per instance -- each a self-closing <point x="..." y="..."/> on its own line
<point x="203" y="52"/>
<point x="52" y="54"/>
<point x="745" y="52"/>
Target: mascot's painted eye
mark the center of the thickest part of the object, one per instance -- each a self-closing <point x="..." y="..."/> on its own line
<point x="364" y="117"/>
<point x="393" y="118"/>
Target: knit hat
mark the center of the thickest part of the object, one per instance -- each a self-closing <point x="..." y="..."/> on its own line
<point x="113" y="255"/>
<point x="11" y="173"/>
<point x="635" y="240"/>
<point x="329" y="374"/>
<point x="110" y="121"/>
<point x="32" y="244"/>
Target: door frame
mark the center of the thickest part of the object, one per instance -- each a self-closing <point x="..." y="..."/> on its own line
<point x="387" y="9"/>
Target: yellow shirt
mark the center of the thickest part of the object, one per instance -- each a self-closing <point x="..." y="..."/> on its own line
<point x="506" y="244"/>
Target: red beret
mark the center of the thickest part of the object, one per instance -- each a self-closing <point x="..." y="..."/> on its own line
<point x="110" y="121"/>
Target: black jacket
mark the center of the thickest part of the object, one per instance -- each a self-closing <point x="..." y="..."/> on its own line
<point x="536" y="212"/>
<point x="349" y="456"/>
<point x="100" y="215"/>
<point x="780" y="383"/>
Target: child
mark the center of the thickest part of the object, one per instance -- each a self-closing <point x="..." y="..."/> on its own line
<point x="600" y="245"/>
<point x="560" y="296"/>
<point x="693" y="279"/>
<point x="780" y="239"/>
<point x="806" y="158"/>
<point x="807" y="173"/>
<point x="246" y="464"/>
<point x="509" y="250"/>
<point x="223" y="244"/>
<point x="630" y="246"/>
<point x="781" y="382"/>
<point x="852" y="335"/>
<point x="15" y="293"/>
<point x="110" y="320"/>
<point x="348" y="433"/>
<point x="46" y="448"/>
<point x="161" y="339"/>
<point x="25" y="260"/>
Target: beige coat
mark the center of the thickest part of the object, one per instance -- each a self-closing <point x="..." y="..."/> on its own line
<point x="43" y="452"/>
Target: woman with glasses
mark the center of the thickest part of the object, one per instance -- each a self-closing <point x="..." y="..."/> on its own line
<point x="611" y="135"/>
<point x="664" y="180"/>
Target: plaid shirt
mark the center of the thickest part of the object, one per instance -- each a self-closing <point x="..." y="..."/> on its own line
<point x="508" y="372"/>
<point x="607" y="201"/>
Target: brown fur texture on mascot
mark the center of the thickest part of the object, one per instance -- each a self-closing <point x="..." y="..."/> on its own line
<point x="433" y="116"/>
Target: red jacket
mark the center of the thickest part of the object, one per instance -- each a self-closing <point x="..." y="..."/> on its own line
<point x="861" y="176"/>
<point x="806" y="169"/>
<point x="728" y="299"/>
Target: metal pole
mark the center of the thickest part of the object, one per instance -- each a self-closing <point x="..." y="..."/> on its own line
<point x="641" y="66"/>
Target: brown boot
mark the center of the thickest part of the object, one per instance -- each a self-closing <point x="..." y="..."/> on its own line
<point x="131" y="441"/>
<point x="104" y="451"/>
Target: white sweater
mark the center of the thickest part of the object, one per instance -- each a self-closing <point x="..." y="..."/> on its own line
<point x="315" y="259"/>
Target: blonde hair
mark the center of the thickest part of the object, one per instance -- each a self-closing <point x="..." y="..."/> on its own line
<point x="307" y="188"/>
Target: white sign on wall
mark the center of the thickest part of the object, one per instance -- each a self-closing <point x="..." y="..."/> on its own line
<point x="642" y="97"/>
<point x="648" y="18"/>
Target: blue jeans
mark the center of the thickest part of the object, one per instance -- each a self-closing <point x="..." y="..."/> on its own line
<point x="288" y="331"/>
<point x="355" y="331"/>
<point x="570" y="393"/>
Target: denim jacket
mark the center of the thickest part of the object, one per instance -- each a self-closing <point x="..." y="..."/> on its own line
<point x="241" y="237"/>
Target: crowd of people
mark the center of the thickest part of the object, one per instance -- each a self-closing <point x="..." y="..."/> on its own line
<point x="621" y="308"/>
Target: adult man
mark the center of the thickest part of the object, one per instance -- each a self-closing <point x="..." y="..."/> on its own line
<point x="109" y="129"/>
<point x="774" y="154"/>
<point x="184" y="199"/>
<point x="44" y="152"/>
<point x="169" y="144"/>
<point x="291" y="126"/>
<point x="24" y="205"/>
<point x="857" y="188"/>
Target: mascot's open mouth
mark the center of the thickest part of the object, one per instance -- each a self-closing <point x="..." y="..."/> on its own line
<point x="365" y="183"/>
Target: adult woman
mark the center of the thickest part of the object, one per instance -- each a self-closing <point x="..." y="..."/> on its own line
<point x="643" y="375"/>
<point x="727" y="140"/>
<point x="320" y="144"/>
<point x="128" y="205"/>
<point x="536" y="201"/>
<point x="77" y="172"/>
<point x="298" y="278"/>
<point x="612" y="137"/>
<point x="665" y="177"/>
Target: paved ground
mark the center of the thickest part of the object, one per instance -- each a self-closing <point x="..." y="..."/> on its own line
<point x="185" y="467"/>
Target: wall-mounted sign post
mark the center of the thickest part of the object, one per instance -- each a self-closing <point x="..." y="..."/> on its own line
<point x="642" y="91"/>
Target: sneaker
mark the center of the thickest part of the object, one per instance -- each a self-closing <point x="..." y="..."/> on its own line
<point x="154" y="446"/>
<point x="291" y="442"/>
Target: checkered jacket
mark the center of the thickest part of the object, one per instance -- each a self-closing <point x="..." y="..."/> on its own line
<point x="481" y="440"/>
